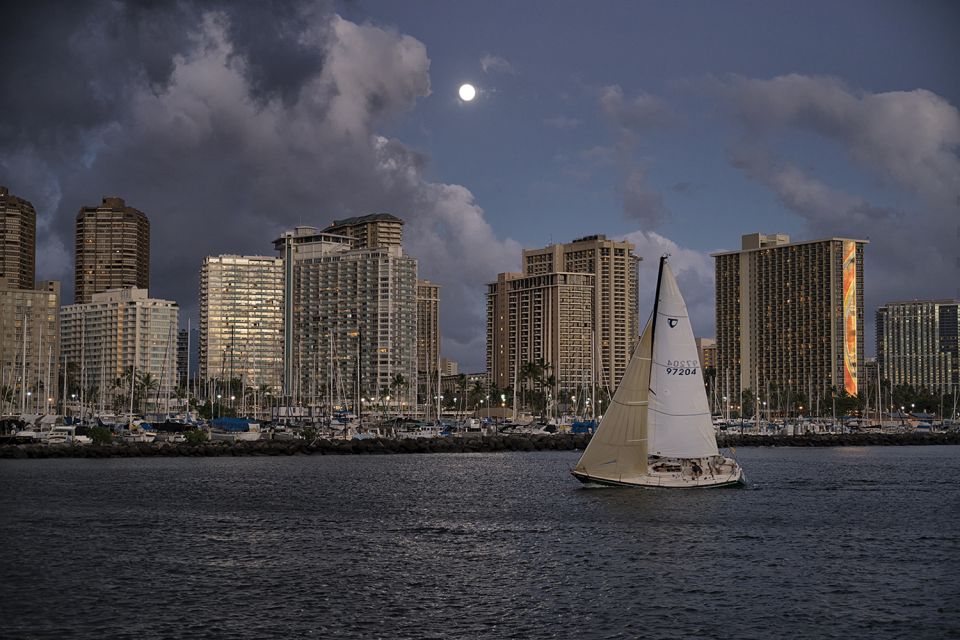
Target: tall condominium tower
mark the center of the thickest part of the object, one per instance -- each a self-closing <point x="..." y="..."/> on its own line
<point x="241" y="320"/>
<point x="917" y="344"/>
<point x="614" y="268"/>
<point x="117" y="332"/>
<point x="428" y="329"/>
<point x="29" y="348"/>
<point x="544" y="318"/>
<point x="790" y="316"/>
<point x="368" y="232"/>
<point x="112" y="249"/>
<point x="350" y="319"/>
<point x="18" y="235"/>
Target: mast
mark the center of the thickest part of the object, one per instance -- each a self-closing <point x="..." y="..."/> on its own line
<point x="46" y="384"/>
<point x="516" y="364"/>
<point x="83" y="361"/>
<point x="63" y="398"/>
<point x="656" y="306"/>
<point x="593" y="377"/>
<point x="39" y="360"/>
<point x="23" y="370"/>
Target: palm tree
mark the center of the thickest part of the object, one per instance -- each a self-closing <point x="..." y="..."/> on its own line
<point x="145" y="384"/>
<point x="398" y="384"/>
<point x="476" y="393"/>
<point x="6" y="396"/>
<point x="529" y="373"/>
<point x="462" y="386"/>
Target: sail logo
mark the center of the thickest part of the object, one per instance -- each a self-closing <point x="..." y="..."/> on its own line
<point x="672" y="322"/>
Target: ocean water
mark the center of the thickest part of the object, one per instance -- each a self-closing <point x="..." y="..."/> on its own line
<point x="824" y="543"/>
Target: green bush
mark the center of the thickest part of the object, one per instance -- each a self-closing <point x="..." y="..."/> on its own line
<point x="195" y="436"/>
<point x="101" y="435"/>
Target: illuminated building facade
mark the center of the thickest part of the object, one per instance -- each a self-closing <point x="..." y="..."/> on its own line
<point x="917" y="344"/>
<point x="241" y="320"/>
<point x="104" y="339"/>
<point x="30" y="348"/>
<point x="790" y="316"/>
<point x="541" y="318"/>
<point x="614" y="268"/>
<point x="350" y="319"/>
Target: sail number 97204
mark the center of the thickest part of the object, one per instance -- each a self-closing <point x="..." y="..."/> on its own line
<point x="682" y="367"/>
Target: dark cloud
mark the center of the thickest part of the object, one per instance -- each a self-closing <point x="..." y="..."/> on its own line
<point x="233" y="123"/>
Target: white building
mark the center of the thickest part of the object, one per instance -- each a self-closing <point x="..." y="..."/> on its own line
<point x="350" y="319"/>
<point x="241" y="320"/>
<point x="120" y="331"/>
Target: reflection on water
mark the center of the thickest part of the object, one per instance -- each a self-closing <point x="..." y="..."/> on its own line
<point x="824" y="542"/>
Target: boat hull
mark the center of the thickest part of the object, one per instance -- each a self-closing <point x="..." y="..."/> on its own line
<point x="681" y="480"/>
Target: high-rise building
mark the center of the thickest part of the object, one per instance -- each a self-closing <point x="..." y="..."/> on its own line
<point x="18" y="236"/>
<point x="183" y="357"/>
<point x="118" y="333"/>
<point x="790" y="316"/>
<point x="545" y="318"/>
<point x="707" y="350"/>
<point x="917" y="344"/>
<point x="614" y="268"/>
<point x="428" y="328"/>
<point x="241" y="320"/>
<point x="112" y="249"/>
<point x="449" y="367"/>
<point x="368" y="232"/>
<point x="29" y="348"/>
<point x="350" y="318"/>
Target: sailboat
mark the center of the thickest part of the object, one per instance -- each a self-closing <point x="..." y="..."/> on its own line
<point x="657" y="431"/>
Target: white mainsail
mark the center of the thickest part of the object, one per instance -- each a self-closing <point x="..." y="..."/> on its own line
<point x="680" y="424"/>
<point x="619" y="446"/>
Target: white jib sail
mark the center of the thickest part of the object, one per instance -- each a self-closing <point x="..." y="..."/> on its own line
<point x="680" y="422"/>
<point x="618" y="449"/>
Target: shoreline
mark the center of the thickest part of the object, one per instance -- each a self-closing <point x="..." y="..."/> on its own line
<point x="485" y="444"/>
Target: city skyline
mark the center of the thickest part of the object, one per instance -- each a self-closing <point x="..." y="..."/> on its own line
<point x="816" y="121"/>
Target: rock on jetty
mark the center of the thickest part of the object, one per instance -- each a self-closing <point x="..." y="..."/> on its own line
<point x="372" y="446"/>
<point x="838" y="439"/>
<point x="486" y="444"/>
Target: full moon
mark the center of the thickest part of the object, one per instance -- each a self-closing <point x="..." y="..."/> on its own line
<point x="467" y="92"/>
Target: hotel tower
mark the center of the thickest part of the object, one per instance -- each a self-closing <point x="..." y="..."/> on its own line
<point x="790" y="316"/>
<point x="574" y="307"/>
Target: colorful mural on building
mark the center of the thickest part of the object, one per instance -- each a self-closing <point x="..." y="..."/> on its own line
<point x="850" y="317"/>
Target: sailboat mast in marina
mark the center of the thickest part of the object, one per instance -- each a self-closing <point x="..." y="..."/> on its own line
<point x="657" y="431"/>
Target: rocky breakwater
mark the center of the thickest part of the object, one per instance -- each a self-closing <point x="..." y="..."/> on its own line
<point x="838" y="439"/>
<point x="372" y="446"/>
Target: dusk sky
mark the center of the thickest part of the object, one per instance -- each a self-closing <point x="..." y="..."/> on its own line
<point x="676" y="125"/>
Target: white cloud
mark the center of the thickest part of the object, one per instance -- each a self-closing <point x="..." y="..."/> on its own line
<point x="695" y="276"/>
